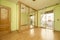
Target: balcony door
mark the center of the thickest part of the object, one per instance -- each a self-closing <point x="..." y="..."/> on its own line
<point x="47" y="20"/>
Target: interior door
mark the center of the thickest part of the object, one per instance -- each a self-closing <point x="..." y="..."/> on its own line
<point x="4" y="20"/>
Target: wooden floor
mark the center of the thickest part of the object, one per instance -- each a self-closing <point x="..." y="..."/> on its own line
<point x="33" y="34"/>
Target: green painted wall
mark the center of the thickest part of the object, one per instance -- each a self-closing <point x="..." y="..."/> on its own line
<point x="57" y="17"/>
<point x="56" y="10"/>
<point x="14" y="14"/>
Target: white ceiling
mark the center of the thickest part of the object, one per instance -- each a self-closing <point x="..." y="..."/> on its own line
<point x="38" y="4"/>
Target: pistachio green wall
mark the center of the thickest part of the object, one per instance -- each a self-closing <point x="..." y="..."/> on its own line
<point x="57" y="17"/>
<point x="56" y="10"/>
<point x="14" y="14"/>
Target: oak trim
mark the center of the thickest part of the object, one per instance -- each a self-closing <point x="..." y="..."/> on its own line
<point x="19" y="5"/>
<point x="37" y="18"/>
<point x="0" y="15"/>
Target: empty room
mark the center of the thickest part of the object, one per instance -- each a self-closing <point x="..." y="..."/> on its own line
<point x="29" y="19"/>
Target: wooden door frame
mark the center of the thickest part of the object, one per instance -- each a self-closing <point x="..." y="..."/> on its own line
<point x="9" y="11"/>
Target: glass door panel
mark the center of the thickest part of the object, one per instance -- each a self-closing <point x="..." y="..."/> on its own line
<point x="50" y="20"/>
<point x="43" y="20"/>
<point x="47" y="20"/>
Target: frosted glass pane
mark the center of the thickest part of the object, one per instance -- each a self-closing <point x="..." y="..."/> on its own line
<point x="4" y="13"/>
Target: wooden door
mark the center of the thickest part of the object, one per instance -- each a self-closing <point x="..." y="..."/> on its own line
<point x="4" y="20"/>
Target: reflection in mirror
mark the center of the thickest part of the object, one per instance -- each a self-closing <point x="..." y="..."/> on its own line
<point x="31" y="18"/>
<point x="26" y="17"/>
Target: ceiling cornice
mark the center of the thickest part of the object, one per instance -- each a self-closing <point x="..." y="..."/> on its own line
<point x="49" y="6"/>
